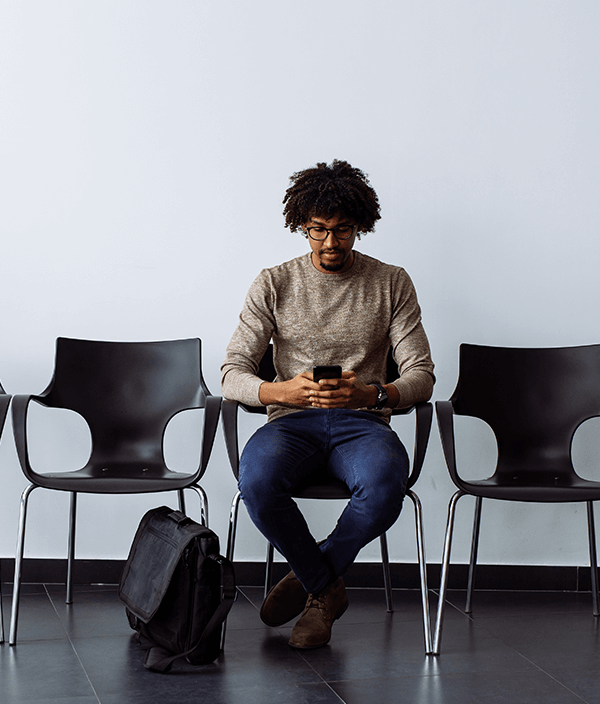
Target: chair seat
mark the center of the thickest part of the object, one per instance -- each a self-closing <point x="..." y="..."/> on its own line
<point x="563" y="490"/>
<point x="113" y="478"/>
<point x="322" y="488"/>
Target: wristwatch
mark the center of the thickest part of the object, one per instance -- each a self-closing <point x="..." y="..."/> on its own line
<point x="382" y="397"/>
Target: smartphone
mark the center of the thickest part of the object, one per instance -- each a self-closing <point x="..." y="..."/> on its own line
<point x="327" y="371"/>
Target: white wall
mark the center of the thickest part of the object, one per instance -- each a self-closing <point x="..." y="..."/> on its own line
<point x="145" y="148"/>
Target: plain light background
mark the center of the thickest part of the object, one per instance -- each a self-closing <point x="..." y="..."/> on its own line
<point x="145" y="148"/>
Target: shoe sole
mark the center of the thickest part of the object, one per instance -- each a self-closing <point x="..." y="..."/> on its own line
<point x="275" y="624"/>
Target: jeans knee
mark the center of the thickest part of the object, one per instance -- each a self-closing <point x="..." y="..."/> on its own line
<point x="263" y="486"/>
<point x="380" y="504"/>
<point x="249" y="488"/>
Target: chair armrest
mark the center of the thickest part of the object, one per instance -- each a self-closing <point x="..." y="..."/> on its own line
<point x="261" y="410"/>
<point x="4" y="404"/>
<point x="445" y="420"/>
<point x="424" y="415"/>
<point x="20" y="408"/>
<point x="229" y="415"/>
<point x="212" y="411"/>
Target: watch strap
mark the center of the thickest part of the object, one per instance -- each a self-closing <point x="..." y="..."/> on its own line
<point x="382" y="397"/>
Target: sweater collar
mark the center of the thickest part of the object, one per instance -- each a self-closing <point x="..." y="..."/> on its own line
<point x="334" y="276"/>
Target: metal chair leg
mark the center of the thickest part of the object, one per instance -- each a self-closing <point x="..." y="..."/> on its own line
<point x="437" y="638"/>
<point x="14" y="614"/>
<point x="233" y="516"/>
<point x="387" y="577"/>
<point x="422" y="570"/>
<point x="593" y="557"/>
<point x="1" y="613"/>
<point x="269" y="569"/>
<point x="474" y="549"/>
<point x="181" y="500"/>
<point x="71" y="548"/>
<point x="203" y="503"/>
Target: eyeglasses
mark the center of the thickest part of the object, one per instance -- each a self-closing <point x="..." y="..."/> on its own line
<point x="320" y="234"/>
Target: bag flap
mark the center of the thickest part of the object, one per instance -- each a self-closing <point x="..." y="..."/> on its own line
<point x="160" y="540"/>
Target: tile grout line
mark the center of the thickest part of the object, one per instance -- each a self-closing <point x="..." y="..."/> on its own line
<point x="323" y="680"/>
<point x="72" y="645"/>
<point x="301" y="657"/>
<point x="527" y="659"/>
<point x="520" y="654"/>
<point x="552" y="677"/>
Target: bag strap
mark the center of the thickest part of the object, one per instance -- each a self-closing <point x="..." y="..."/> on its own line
<point x="160" y="660"/>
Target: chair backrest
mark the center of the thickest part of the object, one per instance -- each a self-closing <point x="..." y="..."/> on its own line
<point x="533" y="399"/>
<point x="4" y="403"/>
<point x="126" y="391"/>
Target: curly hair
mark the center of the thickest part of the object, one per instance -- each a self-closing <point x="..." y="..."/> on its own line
<point x="326" y="190"/>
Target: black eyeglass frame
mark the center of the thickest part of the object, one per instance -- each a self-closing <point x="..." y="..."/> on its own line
<point x="333" y="230"/>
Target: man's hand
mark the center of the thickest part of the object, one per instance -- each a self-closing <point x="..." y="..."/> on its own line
<point x="294" y="392"/>
<point x="347" y="392"/>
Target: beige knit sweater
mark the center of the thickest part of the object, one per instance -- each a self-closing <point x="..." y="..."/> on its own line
<point x="312" y="318"/>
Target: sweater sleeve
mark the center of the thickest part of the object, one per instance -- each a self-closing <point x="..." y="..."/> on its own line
<point x="250" y="340"/>
<point x="410" y="347"/>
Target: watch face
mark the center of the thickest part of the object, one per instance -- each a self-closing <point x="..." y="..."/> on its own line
<point x="382" y="398"/>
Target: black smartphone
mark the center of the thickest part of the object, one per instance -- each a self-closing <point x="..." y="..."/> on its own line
<point x="327" y="371"/>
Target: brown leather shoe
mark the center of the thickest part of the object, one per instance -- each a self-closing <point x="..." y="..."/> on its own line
<point x="313" y="628"/>
<point x="284" y="602"/>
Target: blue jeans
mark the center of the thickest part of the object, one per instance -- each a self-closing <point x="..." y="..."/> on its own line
<point x="355" y="446"/>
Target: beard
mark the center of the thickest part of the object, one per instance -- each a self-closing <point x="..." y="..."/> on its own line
<point x="331" y="266"/>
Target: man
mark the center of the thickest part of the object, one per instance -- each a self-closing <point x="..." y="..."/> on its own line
<point x="332" y="306"/>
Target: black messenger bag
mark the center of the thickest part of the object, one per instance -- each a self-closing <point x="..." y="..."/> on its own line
<point x="177" y="589"/>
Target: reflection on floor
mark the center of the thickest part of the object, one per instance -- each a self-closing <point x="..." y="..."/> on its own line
<point x="516" y="647"/>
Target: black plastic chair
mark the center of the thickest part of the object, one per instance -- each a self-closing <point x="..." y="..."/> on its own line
<point x="127" y="392"/>
<point x="534" y="400"/>
<point x="4" y="403"/>
<point x="333" y="488"/>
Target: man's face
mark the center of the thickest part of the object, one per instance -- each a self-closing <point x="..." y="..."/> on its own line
<point x="332" y="255"/>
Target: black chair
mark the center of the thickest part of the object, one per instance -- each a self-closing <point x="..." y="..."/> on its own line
<point x="534" y="400"/>
<point x="332" y="488"/>
<point x="127" y="392"/>
<point x="4" y="403"/>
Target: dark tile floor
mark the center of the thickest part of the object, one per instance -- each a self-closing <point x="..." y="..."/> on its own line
<point x="517" y="647"/>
